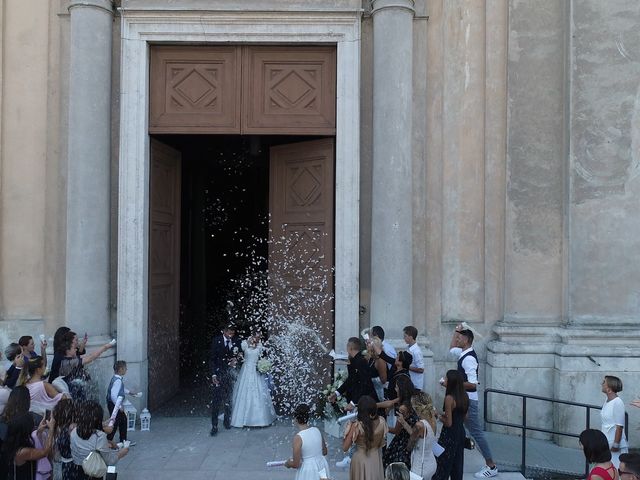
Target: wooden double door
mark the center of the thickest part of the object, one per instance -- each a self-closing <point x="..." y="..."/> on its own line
<point x="301" y="181"/>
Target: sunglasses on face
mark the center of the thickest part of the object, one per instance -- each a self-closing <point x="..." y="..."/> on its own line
<point x="622" y="472"/>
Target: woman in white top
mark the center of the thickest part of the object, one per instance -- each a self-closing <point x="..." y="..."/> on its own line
<point x="423" y="462"/>
<point x="309" y="448"/>
<point x="613" y="416"/>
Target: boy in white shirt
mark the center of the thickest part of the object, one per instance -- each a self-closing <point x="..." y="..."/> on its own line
<point x="416" y="369"/>
<point x="115" y="397"/>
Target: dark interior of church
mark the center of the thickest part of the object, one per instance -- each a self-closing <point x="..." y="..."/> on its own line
<point x="224" y="237"/>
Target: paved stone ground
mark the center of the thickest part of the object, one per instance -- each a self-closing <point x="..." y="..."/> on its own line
<point x="181" y="448"/>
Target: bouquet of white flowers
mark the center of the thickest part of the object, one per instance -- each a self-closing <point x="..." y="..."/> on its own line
<point x="327" y="409"/>
<point x="264" y="365"/>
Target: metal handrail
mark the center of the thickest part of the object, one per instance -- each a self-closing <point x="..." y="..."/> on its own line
<point x="524" y="427"/>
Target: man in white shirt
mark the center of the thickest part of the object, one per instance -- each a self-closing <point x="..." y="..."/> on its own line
<point x="468" y="367"/>
<point x="416" y="369"/>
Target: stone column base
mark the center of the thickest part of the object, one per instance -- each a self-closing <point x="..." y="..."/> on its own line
<point x="561" y="362"/>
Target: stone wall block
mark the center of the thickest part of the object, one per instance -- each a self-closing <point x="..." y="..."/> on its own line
<point x="605" y="163"/>
<point x="535" y="161"/>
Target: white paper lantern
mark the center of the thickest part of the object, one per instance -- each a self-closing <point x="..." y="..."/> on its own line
<point x="145" y="420"/>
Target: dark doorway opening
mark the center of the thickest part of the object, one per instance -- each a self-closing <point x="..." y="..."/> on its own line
<point x="224" y="236"/>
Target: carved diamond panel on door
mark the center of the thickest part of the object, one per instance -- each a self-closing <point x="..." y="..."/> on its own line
<point x="164" y="273"/>
<point x="304" y="186"/>
<point x="289" y="90"/>
<point x="195" y="89"/>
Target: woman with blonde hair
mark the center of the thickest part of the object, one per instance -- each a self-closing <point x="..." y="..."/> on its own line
<point x="423" y="436"/>
<point x="43" y="395"/>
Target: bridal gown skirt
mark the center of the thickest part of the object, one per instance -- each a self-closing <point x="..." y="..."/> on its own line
<point x="252" y="405"/>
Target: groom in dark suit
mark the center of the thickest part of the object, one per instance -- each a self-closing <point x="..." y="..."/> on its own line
<point x="225" y="350"/>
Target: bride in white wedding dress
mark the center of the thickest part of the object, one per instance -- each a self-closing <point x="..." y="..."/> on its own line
<point x="252" y="405"/>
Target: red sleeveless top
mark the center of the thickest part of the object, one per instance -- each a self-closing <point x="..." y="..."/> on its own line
<point x="606" y="473"/>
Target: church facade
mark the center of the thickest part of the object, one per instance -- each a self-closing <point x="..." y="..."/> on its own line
<point x="481" y="165"/>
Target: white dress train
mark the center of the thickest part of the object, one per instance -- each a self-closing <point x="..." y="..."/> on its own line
<point x="251" y="405"/>
<point x="312" y="459"/>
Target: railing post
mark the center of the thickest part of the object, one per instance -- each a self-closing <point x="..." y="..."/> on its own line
<point x="586" y="461"/>
<point x="523" y="468"/>
<point x="484" y="405"/>
<point x="625" y="432"/>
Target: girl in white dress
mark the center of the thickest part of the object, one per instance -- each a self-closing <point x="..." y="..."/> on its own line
<point x="613" y="418"/>
<point x="424" y="436"/>
<point x="251" y="405"/>
<point x="309" y="448"/>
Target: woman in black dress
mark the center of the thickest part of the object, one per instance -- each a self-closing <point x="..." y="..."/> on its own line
<point x="456" y="404"/>
<point x="397" y="450"/>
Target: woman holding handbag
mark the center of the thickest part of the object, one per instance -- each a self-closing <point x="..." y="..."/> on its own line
<point x="89" y="444"/>
<point x="423" y="462"/>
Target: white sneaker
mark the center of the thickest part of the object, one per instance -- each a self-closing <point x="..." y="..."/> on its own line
<point x="487" y="472"/>
<point x="344" y="463"/>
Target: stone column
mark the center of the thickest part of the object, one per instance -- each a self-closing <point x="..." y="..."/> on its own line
<point x="88" y="183"/>
<point x="391" y="223"/>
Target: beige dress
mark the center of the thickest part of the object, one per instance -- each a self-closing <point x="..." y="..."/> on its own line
<point x="367" y="464"/>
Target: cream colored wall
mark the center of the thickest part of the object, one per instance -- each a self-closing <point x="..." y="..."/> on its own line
<point x="31" y="207"/>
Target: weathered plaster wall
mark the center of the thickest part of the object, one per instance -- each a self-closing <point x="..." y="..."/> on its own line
<point x="571" y="288"/>
<point x="464" y="182"/>
<point x="605" y="162"/>
<point x="35" y="70"/>
<point x="56" y="165"/>
<point x="25" y="33"/>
